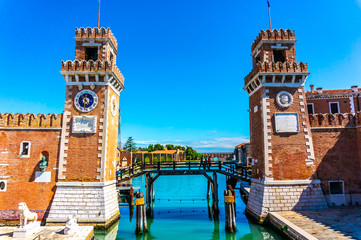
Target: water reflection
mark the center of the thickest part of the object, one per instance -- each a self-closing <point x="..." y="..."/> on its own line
<point x="191" y="218"/>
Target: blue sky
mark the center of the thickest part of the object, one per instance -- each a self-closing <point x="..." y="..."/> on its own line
<point x="183" y="61"/>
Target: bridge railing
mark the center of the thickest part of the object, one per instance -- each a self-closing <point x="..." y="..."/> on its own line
<point x="136" y="170"/>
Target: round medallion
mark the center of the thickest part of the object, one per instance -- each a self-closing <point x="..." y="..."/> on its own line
<point x="86" y="100"/>
<point x="284" y="99"/>
<point x="113" y="106"/>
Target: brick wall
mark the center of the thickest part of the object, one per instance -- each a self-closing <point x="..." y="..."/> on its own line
<point x="289" y="150"/>
<point x="337" y="152"/>
<point x="112" y="137"/>
<point x="256" y="134"/>
<point x="322" y="105"/>
<point x="82" y="159"/>
<point x="20" y="172"/>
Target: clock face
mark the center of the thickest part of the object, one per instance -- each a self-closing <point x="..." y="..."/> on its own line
<point x="86" y="100"/>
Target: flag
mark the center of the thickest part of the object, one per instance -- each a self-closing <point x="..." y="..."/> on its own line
<point x="269" y="5"/>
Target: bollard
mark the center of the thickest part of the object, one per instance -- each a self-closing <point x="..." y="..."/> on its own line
<point x="141" y="221"/>
<point x="229" y="204"/>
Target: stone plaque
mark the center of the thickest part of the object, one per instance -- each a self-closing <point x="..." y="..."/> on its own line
<point x="286" y="122"/>
<point x="84" y="124"/>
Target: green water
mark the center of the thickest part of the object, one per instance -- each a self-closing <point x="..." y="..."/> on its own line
<point x="181" y="212"/>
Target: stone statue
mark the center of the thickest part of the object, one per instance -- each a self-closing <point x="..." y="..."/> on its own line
<point x="26" y="215"/>
<point x="71" y="226"/>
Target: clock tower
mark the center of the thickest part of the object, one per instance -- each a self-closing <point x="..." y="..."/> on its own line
<point x="86" y="171"/>
<point x="283" y="173"/>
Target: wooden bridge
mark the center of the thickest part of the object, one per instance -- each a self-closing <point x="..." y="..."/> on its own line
<point x="184" y="168"/>
<point x="153" y="171"/>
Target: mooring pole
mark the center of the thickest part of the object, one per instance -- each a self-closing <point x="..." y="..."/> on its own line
<point x="215" y="194"/>
<point x="141" y="221"/>
<point x="131" y="197"/>
<point x="230" y="218"/>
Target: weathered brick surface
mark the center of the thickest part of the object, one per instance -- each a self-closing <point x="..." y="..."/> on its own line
<point x="20" y="172"/>
<point x="322" y="105"/>
<point x="256" y="134"/>
<point x="112" y="138"/>
<point x="30" y="120"/>
<point x="289" y="150"/>
<point x="337" y="153"/>
<point x="82" y="159"/>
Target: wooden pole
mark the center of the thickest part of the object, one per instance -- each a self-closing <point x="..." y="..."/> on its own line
<point x="230" y="219"/>
<point x="215" y="194"/>
<point x="208" y="188"/>
<point x="141" y="221"/>
<point x="148" y="189"/>
<point x="131" y="197"/>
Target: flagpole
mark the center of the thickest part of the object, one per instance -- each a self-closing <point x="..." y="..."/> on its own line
<point x="269" y="15"/>
<point x="99" y="14"/>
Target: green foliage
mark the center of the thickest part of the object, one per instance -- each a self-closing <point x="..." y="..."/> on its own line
<point x="191" y="154"/>
<point x="150" y="148"/>
<point x="158" y="147"/>
<point x="155" y="160"/>
<point x="162" y="160"/>
<point x="130" y="145"/>
<point x="138" y="162"/>
<point x="147" y="160"/>
<point x="169" y="159"/>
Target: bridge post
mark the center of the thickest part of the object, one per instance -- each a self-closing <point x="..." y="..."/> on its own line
<point x="148" y="189"/>
<point x="208" y="188"/>
<point x="215" y="194"/>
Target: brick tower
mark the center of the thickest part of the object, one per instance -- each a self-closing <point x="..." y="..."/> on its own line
<point x="281" y="141"/>
<point x="86" y="176"/>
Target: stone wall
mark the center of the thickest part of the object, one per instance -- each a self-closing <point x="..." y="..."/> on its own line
<point x="88" y="202"/>
<point x="273" y="196"/>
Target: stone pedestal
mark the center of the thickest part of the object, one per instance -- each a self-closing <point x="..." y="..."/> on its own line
<point x="26" y="231"/>
<point x="275" y="196"/>
<point x="90" y="202"/>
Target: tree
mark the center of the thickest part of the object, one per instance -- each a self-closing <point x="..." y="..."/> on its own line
<point x="170" y="147"/>
<point x="130" y="145"/>
<point x="150" y="148"/>
<point x="158" y="147"/>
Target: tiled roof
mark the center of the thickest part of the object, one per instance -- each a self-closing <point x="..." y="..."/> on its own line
<point x="332" y="91"/>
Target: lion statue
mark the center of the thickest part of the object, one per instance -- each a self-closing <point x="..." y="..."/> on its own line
<point x="71" y="226"/>
<point x="26" y="215"/>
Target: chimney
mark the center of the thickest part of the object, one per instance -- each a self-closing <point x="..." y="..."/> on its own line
<point x="319" y="90"/>
<point x="312" y="87"/>
<point x="354" y="88"/>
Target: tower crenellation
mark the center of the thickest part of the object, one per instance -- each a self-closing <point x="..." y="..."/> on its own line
<point x="95" y="44"/>
<point x="89" y="136"/>
<point x="281" y="139"/>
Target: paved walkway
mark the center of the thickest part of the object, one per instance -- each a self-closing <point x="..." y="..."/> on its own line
<point x="53" y="233"/>
<point x="333" y="223"/>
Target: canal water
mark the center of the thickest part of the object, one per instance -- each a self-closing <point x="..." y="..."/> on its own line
<point x="181" y="212"/>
